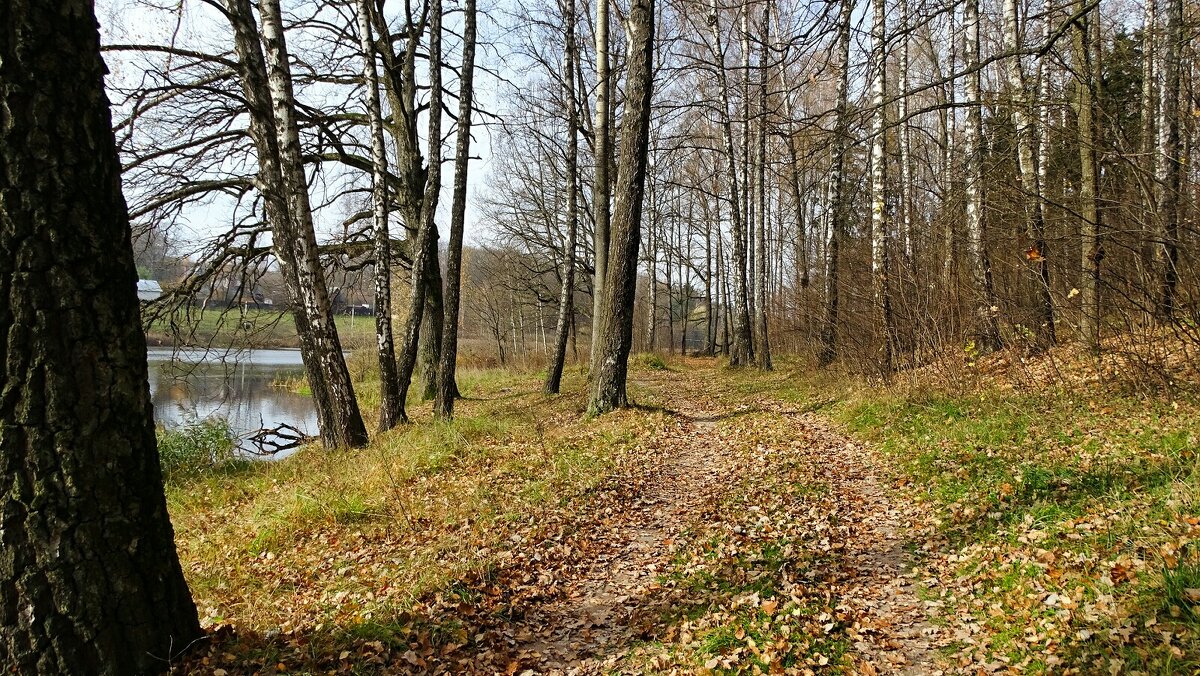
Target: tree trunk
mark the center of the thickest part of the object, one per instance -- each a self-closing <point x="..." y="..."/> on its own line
<point x="763" y="346"/>
<point x="389" y="402"/>
<point x="742" y="350"/>
<point x="1167" y="161"/>
<point x="987" y="329"/>
<point x="879" y="225"/>
<point x="447" y="387"/>
<point x="903" y="140"/>
<point x="567" y="292"/>
<point x="616" y="316"/>
<point x="1027" y="137"/>
<point x="348" y="428"/>
<point x="1086" y="66"/>
<point x="425" y="246"/>
<point x="834" y="208"/>
<point x="90" y="582"/>
<point x="429" y="349"/>
<point x="601" y="188"/>
<point x="284" y="191"/>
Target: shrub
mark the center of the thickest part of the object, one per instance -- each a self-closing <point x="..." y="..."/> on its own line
<point x="195" y="448"/>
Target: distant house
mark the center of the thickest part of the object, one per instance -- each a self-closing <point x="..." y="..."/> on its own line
<point x="148" y="290"/>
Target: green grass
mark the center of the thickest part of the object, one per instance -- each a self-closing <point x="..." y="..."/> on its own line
<point x="240" y="327"/>
<point x="1101" y="479"/>
<point x="202" y="448"/>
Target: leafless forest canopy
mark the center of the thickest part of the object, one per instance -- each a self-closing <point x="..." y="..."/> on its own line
<point x="880" y="184"/>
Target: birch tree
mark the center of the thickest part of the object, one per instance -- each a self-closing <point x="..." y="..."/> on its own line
<point x="567" y="292"/>
<point x="879" y="215"/>
<point x="389" y="401"/>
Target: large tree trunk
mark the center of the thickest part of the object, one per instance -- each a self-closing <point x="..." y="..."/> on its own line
<point x="89" y="579"/>
<point x="425" y="244"/>
<point x="389" y="401"/>
<point x="1087" y="67"/>
<point x="348" y="428"/>
<point x="984" y="303"/>
<point x="567" y="292"/>
<point x="879" y="225"/>
<point x="742" y="350"/>
<point x="834" y="209"/>
<point x="447" y="388"/>
<point x="601" y="188"/>
<point x="1167" y="162"/>
<point x="616" y="315"/>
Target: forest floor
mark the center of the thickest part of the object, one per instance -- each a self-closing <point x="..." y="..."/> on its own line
<point x="789" y="522"/>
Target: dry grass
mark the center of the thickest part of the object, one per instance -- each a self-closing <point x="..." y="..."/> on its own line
<point x="310" y="541"/>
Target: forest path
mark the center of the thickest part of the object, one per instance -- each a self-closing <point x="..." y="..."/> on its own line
<point x="618" y="612"/>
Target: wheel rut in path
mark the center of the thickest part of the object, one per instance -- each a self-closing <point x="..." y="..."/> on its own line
<point x="589" y="631"/>
<point x="601" y="611"/>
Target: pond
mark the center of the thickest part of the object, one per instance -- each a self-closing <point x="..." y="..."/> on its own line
<point x="188" y="385"/>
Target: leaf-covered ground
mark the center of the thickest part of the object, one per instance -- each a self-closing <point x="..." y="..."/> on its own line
<point x="734" y="522"/>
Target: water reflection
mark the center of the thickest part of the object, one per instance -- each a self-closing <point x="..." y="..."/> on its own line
<point x="193" y="384"/>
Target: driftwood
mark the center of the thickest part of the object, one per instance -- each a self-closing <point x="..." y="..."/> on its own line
<point x="268" y="441"/>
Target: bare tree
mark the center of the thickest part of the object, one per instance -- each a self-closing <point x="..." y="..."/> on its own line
<point x="615" y="334"/>
<point x="447" y="388"/>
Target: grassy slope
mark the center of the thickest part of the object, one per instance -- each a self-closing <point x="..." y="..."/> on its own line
<point x="1062" y="515"/>
<point x="1065" y="513"/>
<point x="337" y="548"/>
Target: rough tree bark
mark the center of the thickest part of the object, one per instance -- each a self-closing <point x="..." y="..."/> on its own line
<point x="984" y="303"/>
<point x="616" y="315"/>
<point x="389" y="401"/>
<point x="834" y="209"/>
<point x="447" y="388"/>
<point x="1087" y="68"/>
<point x="89" y="579"/>
<point x="424" y="246"/>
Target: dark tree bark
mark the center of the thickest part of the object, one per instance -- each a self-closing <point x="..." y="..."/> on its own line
<point x="389" y="395"/>
<point x="567" y="293"/>
<point x="616" y="311"/>
<point x="425" y="246"/>
<point x="447" y="390"/>
<point x="89" y="579"/>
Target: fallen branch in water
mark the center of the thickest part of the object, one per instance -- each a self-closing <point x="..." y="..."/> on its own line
<point x="271" y="440"/>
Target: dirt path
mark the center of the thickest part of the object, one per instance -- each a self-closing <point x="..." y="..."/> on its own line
<point x="604" y="610"/>
<point x="589" y="631"/>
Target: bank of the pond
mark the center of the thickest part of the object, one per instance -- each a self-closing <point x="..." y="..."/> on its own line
<point x="243" y="328"/>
